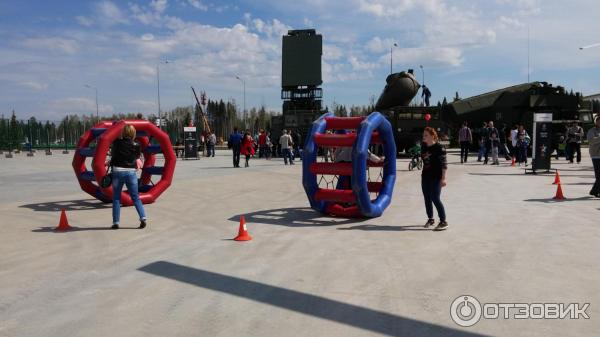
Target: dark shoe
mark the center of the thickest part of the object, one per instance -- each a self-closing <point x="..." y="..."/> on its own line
<point x="115" y="226"/>
<point x="429" y="223"/>
<point x="443" y="225"/>
<point x="142" y="224"/>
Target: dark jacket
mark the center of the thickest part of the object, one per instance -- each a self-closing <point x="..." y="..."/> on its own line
<point x="124" y="153"/>
<point x="434" y="161"/>
<point x="235" y="139"/>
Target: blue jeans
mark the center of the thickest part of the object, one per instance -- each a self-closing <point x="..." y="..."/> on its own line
<point x="128" y="178"/>
<point x="287" y="154"/>
<point x="432" y="190"/>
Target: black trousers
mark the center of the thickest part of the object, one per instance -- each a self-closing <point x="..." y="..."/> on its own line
<point x="464" y="151"/>
<point x="236" y="154"/>
<point x="575" y="148"/>
<point x="432" y="190"/>
<point x="596" y="188"/>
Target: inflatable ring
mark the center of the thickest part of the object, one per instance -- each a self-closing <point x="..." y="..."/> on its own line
<point x="105" y="134"/>
<point x="350" y="199"/>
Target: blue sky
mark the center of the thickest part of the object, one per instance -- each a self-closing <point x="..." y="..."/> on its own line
<point x="50" y="49"/>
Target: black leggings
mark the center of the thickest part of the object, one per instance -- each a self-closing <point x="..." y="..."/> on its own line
<point x="432" y="190"/>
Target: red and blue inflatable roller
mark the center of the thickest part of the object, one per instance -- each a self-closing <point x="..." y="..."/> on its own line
<point x="104" y="134"/>
<point x="343" y="201"/>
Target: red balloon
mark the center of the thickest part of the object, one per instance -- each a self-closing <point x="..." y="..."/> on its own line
<point x="427" y="117"/>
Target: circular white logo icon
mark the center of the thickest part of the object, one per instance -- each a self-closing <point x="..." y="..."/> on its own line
<point x="465" y="310"/>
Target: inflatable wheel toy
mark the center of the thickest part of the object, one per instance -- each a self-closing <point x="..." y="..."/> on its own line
<point x="351" y="195"/>
<point x="104" y="134"/>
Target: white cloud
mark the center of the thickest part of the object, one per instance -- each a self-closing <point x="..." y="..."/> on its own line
<point x="147" y="37"/>
<point x="387" y="8"/>
<point x="37" y="86"/>
<point x="109" y="14"/>
<point x="159" y="5"/>
<point x="358" y="65"/>
<point x="52" y="44"/>
<point x="332" y="52"/>
<point x="435" y="57"/>
<point x="510" y="23"/>
<point x="379" y="45"/>
<point x="78" y="105"/>
<point x="198" y="5"/>
<point x="84" y="20"/>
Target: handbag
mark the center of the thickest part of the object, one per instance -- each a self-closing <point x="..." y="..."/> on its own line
<point x="107" y="179"/>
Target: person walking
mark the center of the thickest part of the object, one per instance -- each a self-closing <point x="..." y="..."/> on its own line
<point x="495" y="143"/>
<point x="286" y="143"/>
<point x="247" y="148"/>
<point x="488" y="142"/>
<point x="465" y="138"/>
<point x="296" y="137"/>
<point x="433" y="177"/>
<point x="593" y="138"/>
<point x="523" y="140"/>
<point x="125" y="153"/>
<point x="212" y="141"/>
<point x="235" y="144"/>
<point x="262" y="144"/>
<point x="574" y="138"/>
<point x="513" y="140"/>
<point x="483" y="134"/>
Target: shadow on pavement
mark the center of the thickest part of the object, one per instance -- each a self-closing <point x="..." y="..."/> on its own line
<point x="304" y="303"/>
<point x="553" y="201"/>
<point x="294" y="217"/>
<point x="77" y="229"/>
<point x="68" y="205"/>
<point x="386" y="228"/>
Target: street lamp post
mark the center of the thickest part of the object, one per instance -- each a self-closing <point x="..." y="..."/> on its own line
<point x="423" y="73"/>
<point x="95" y="89"/>
<point x="244" y="85"/>
<point x="158" y="89"/>
<point x="392" y="57"/>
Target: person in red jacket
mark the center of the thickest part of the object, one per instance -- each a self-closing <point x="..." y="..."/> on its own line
<point x="262" y="144"/>
<point x="247" y="147"/>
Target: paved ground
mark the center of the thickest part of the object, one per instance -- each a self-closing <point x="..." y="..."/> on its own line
<point x="303" y="274"/>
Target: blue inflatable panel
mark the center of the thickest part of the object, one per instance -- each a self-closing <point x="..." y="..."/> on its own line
<point x="98" y="131"/>
<point x="154" y="170"/>
<point x="87" y="176"/>
<point x="309" y="156"/>
<point x="154" y="148"/>
<point x="375" y="122"/>
<point x="141" y="134"/>
<point x="87" y="152"/>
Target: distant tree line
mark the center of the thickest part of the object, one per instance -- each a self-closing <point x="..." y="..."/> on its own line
<point x="222" y="117"/>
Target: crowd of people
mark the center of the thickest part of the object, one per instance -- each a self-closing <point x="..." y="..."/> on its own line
<point x="287" y="146"/>
<point x="515" y="143"/>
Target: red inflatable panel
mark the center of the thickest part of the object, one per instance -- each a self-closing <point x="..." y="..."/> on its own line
<point x="346" y="196"/>
<point x="343" y="123"/>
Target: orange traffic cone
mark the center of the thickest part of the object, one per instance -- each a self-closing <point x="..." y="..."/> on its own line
<point x="243" y="231"/>
<point x="556" y="178"/>
<point x="513" y="162"/>
<point x="63" y="224"/>
<point x="559" y="193"/>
